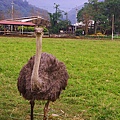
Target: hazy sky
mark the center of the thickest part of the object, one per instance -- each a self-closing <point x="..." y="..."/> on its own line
<point x="65" y="5"/>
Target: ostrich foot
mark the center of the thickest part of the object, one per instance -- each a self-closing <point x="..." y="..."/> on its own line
<point x="46" y="110"/>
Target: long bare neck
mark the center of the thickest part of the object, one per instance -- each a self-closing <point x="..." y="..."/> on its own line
<point x="35" y="76"/>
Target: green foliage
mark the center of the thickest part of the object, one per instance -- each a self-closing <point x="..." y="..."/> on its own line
<point x="93" y="91"/>
<point x="63" y="25"/>
<point x="56" y="23"/>
<point x="101" y="13"/>
<point x="45" y="29"/>
<point x="1" y="28"/>
<point x="113" y="7"/>
<point x="78" y="32"/>
<point x="26" y="29"/>
<point x="30" y="29"/>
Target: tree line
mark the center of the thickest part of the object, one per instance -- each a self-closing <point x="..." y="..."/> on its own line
<point x="102" y="13"/>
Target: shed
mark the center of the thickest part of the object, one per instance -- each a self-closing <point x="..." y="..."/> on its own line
<point x="11" y="24"/>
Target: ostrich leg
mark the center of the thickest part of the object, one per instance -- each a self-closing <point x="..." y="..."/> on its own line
<point x="32" y="103"/>
<point x="46" y="110"/>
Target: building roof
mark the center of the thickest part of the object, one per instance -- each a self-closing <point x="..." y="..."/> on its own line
<point x="78" y="24"/>
<point x="6" y="22"/>
<point x="38" y="20"/>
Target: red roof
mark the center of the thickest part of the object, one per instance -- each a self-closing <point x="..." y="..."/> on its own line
<point x="5" y="22"/>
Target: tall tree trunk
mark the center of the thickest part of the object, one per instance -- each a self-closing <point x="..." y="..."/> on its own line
<point x="95" y="27"/>
<point x="86" y="27"/>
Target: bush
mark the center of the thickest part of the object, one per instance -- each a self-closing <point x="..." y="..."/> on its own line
<point x="45" y="29"/>
<point x="78" y="32"/>
<point x="26" y="29"/>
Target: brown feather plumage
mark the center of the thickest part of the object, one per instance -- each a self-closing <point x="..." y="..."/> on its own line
<point x="53" y="74"/>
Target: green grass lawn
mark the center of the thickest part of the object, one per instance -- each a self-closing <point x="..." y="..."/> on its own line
<point x="93" y="91"/>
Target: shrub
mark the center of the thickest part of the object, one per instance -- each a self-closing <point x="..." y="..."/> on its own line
<point x="78" y="32"/>
<point x="26" y="29"/>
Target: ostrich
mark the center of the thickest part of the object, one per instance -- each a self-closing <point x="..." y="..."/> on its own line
<point x="43" y="77"/>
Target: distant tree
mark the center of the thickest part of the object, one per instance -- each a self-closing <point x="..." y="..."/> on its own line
<point x="2" y="15"/>
<point x="54" y="18"/>
<point x="95" y="13"/>
<point x="63" y="25"/>
<point x="54" y="22"/>
<point x="32" y="12"/>
<point x="57" y="23"/>
<point x="85" y="16"/>
<point x="101" y="13"/>
<point x="112" y="7"/>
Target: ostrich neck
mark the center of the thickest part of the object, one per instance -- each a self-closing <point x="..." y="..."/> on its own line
<point x="35" y="76"/>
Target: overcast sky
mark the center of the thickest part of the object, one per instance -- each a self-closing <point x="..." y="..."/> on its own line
<point x="65" y="5"/>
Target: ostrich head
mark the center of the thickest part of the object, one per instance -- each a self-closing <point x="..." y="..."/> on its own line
<point x="39" y="31"/>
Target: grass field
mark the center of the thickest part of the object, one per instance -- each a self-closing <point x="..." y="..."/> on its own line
<point x="93" y="91"/>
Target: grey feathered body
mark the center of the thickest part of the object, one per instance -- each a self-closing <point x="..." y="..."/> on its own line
<point x="53" y="74"/>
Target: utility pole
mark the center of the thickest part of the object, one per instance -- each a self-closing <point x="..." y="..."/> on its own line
<point x="76" y="18"/>
<point x="12" y="14"/>
<point x="12" y="10"/>
<point x="112" y="26"/>
<point x="76" y="14"/>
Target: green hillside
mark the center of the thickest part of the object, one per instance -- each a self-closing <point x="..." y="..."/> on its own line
<point x="21" y="9"/>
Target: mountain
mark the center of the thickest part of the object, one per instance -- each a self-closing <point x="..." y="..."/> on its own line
<point x="72" y="14"/>
<point x="21" y="8"/>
